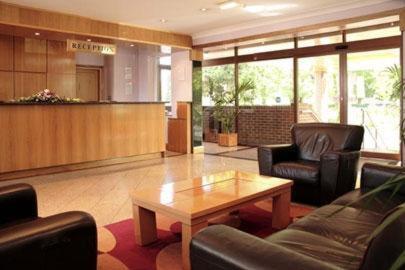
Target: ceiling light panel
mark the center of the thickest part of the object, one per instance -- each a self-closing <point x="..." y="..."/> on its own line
<point x="228" y="5"/>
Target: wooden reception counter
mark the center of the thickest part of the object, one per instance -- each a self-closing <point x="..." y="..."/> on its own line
<point x="36" y="136"/>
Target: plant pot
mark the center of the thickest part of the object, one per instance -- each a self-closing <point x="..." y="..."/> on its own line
<point x="228" y="139"/>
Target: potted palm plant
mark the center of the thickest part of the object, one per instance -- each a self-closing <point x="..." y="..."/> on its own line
<point x="226" y="108"/>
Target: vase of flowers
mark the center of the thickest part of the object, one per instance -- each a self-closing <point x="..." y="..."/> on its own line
<point x="47" y="96"/>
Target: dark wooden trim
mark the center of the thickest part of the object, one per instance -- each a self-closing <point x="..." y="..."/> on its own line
<point x="354" y="46"/>
<point x="236" y="82"/>
<point x="295" y="83"/>
<point x="401" y="147"/>
<point x="343" y="99"/>
<point x="391" y="156"/>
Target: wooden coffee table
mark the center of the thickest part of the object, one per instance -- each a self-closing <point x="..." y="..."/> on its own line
<point x="196" y="201"/>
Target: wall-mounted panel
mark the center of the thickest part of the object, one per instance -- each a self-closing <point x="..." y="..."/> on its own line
<point x="62" y="84"/>
<point x="6" y="85"/>
<point x="6" y="53"/>
<point x="60" y="60"/>
<point x="28" y="83"/>
<point x="29" y="54"/>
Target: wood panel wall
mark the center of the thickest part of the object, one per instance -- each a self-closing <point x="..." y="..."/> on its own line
<point x="38" y="136"/>
<point x="65" y="23"/>
<point x="29" y="65"/>
<point x="179" y="129"/>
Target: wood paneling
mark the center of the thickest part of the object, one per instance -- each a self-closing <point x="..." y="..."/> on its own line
<point x="6" y="85"/>
<point x="28" y="83"/>
<point x="179" y="129"/>
<point x="38" y="136"/>
<point x="59" y="59"/>
<point x="62" y="84"/>
<point x="87" y="84"/>
<point x="402" y="20"/>
<point x="29" y="54"/>
<point x="6" y="53"/>
<point x="53" y="21"/>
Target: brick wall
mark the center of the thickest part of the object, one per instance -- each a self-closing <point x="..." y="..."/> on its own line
<point x="258" y="125"/>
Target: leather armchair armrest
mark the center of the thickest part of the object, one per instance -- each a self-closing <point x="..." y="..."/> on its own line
<point x="268" y="155"/>
<point x="63" y="241"/>
<point x="338" y="173"/>
<point x="17" y="202"/>
<point x="220" y="247"/>
<point x="374" y="175"/>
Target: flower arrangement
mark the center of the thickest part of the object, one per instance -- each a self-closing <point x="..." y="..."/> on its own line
<point x="47" y="96"/>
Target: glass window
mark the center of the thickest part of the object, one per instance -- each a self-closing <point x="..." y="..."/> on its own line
<point x="273" y="81"/>
<point x="266" y="48"/>
<point x="373" y="100"/>
<point x="219" y="54"/>
<point x="165" y="60"/>
<point x="219" y="75"/>
<point x="309" y="42"/>
<point x="165" y="85"/>
<point x="375" y="33"/>
<point x="318" y="89"/>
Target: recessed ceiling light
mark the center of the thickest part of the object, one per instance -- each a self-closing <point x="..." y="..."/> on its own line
<point x="254" y="8"/>
<point x="203" y="9"/>
<point x="37" y="34"/>
<point x="263" y="42"/>
<point x="270" y="14"/>
<point x="163" y="20"/>
<point x="228" y="5"/>
<point x="131" y="45"/>
<point x="392" y="24"/>
<point x="279" y="7"/>
<point x="88" y="39"/>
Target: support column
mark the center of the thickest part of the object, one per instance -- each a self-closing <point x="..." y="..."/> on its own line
<point x="196" y="56"/>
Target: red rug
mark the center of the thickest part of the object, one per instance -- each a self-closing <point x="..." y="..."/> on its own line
<point x="119" y="251"/>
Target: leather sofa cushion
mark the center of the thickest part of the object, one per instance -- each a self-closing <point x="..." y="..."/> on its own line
<point x="318" y="247"/>
<point x="350" y="227"/>
<point x="301" y="171"/>
<point x="315" y="139"/>
<point x="381" y="203"/>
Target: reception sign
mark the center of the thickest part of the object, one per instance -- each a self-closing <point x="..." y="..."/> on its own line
<point x="91" y="47"/>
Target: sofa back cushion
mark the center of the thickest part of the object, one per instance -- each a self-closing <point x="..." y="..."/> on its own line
<point x="314" y="139"/>
<point x="388" y="245"/>
<point x="374" y="175"/>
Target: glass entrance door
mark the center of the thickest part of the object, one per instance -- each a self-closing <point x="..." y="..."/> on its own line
<point x="372" y="100"/>
<point x="318" y="89"/>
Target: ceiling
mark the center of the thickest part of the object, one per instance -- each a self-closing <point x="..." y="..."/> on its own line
<point x="185" y="16"/>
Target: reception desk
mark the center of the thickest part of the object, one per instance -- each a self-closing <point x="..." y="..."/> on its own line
<point x="41" y="136"/>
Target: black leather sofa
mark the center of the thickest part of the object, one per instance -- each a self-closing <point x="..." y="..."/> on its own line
<point x="322" y="161"/>
<point x="317" y="241"/>
<point x="64" y="241"/>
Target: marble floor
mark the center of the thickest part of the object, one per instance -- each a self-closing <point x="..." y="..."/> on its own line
<point x="105" y="192"/>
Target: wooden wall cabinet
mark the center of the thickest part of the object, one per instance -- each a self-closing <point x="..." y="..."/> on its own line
<point x="6" y="85"/>
<point x="6" y="53"/>
<point x="28" y="83"/>
<point x="29" y="54"/>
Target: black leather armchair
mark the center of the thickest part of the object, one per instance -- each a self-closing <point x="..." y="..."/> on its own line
<point x="322" y="161"/>
<point x="63" y="241"/>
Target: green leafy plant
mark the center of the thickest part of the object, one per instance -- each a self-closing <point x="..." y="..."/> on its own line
<point x="225" y="101"/>
<point x="397" y="83"/>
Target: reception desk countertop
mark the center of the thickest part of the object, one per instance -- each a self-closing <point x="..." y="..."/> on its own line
<point x="81" y="103"/>
<point x="36" y="136"/>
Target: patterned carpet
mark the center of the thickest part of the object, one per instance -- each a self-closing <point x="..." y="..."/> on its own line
<point x="118" y="251"/>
